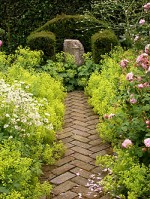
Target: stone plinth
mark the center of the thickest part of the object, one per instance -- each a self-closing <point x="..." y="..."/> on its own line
<point x="74" y="47"/>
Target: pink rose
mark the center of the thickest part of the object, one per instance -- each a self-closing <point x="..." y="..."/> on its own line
<point x="146" y="7"/>
<point x="142" y="60"/>
<point x="127" y="143"/>
<point x="146" y="84"/>
<point x="142" y="21"/>
<point x="144" y="65"/>
<point x="133" y="101"/>
<point x="124" y="63"/>
<point x="147" y="122"/>
<point x="1" y="43"/>
<point x="129" y="76"/>
<point x="140" y="86"/>
<point x="147" y="142"/>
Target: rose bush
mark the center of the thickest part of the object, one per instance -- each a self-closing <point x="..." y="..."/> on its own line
<point x="120" y="94"/>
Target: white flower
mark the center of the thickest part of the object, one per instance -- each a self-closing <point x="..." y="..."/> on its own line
<point x="5" y="126"/>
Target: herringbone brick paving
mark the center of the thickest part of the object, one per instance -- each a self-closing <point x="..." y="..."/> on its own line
<point x="76" y="175"/>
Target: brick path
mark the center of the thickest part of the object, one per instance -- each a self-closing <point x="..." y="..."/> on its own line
<point x="76" y="175"/>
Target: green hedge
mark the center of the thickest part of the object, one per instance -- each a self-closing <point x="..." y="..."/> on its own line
<point x="80" y="27"/>
<point x="43" y="40"/>
<point x="23" y="16"/>
<point x="102" y="42"/>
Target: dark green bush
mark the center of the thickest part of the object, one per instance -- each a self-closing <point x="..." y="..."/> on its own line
<point x="45" y="41"/>
<point x="102" y="42"/>
<point x="24" y="16"/>
<point x="80" y="27"/>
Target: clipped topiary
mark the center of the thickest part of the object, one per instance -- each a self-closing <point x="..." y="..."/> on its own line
<point x="80" y="27"/>
<point x="44" y="40"/>
<point x="102" y="42"/>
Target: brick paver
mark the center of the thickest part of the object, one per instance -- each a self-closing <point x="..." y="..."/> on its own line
<point x="72" y="174"/>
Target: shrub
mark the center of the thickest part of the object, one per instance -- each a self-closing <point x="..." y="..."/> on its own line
<point x="18" y="18"/>
<point x="85" y="70"/>
<point x="31" y="111"/>
<point x="45" y="41"/>
<point x="72" y="76"/>
<point x="103" y="42"/>
<point x="63" y="69"/>
<point x="18" y="174"/>
<point x="26" y="58"/>
<point x="121" y="98"/>
<point x="127" y="178"/>
<point x="80" y="27"/>
<point x="123" y="17"/>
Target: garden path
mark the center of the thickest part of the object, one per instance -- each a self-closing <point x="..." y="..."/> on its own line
<point x="76" y="175"/>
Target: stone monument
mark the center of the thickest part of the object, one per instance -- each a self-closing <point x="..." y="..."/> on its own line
<point x="74" y="47"/>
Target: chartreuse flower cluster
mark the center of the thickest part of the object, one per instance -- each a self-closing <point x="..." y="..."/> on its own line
<point x="31" y="110"/>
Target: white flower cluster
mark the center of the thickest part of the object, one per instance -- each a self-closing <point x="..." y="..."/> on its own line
<point x="20" y="110"/>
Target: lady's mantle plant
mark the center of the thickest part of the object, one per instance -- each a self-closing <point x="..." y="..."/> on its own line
<point x="30" y="112"/>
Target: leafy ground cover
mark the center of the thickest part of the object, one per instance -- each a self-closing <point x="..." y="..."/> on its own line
<point x="31" y="110"/>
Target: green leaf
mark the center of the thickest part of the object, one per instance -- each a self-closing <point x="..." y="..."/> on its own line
<point x="3" y="190"/>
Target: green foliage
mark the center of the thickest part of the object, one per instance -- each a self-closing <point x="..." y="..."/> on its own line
<point x="65" y="70"/>
<point x="19" y="17"/>
<point x="127" y="178"/>
<point x="85" y="70"/>
<point x="31" y="110"/>
<point x="18" y="174"/>
<point x="2" y="32"/>
<point x="80" y="27"/>
<point x="103" y="42"/>
<point x="26" y="58"/>
<point x="123" y="16"/>
<point x="44" y="41"/>
<point x="100" y="85"/>
<point x="123" y="107"/>
<point x="4" y="61"/>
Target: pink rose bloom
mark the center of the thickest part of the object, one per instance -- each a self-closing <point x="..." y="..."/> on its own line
<point x="146" y="7"/>
<point x="127" y="143"/>
<point x="124" y="63"/>
<point x="140" y="86"/>
<point x="146" y="84"/>
<point x="147" y="49"/>
<point x="144" y="65"/>
<point x="142" y="21"/>
<point x="133" y="101"/>
<point x="142" y="60"/>
<point x="129" y="76"/>
<point x="141" y="57"/>
<point x="147" y="142"/>
<point x="1" y="43"/>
